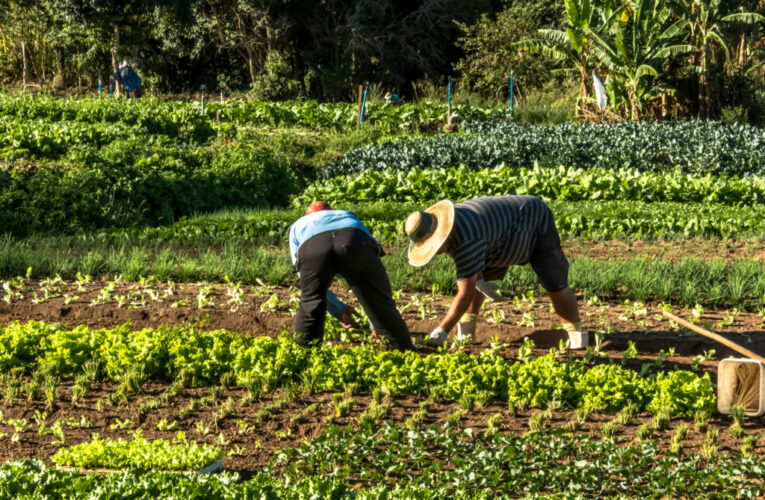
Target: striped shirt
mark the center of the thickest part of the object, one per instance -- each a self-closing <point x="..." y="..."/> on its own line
<point x="496" y="231"/>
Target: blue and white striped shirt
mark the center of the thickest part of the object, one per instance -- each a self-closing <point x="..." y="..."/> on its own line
<point x="496" y="231"/>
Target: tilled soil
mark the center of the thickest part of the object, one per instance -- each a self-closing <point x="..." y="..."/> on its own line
<point x="507" y="323"/>
<point x="250" y="445"/>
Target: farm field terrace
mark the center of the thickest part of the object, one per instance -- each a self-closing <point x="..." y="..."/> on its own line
<point x="158" y="315"/>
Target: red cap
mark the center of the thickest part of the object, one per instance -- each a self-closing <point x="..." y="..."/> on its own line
<point x="317" y="206"/>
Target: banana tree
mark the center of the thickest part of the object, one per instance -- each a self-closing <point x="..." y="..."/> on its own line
<point x="706" y="21"/>
<point x="571" y="46"/>
<point x="636" y="48"/>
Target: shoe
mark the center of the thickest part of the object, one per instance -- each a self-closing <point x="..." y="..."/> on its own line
<point x="465" y="331"/>
<point x="490" y="291"/>
<point x="437" y="338"/>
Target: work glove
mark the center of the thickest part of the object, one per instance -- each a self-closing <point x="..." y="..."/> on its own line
<point x="437" y="337"/>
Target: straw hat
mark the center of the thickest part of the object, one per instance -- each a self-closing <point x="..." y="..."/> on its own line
<point x="428" y="231"/>
<point x="388" y="95"/>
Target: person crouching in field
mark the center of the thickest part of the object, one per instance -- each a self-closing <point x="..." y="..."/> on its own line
<point x="327" y="242"/>
<point x="485" y="236"/>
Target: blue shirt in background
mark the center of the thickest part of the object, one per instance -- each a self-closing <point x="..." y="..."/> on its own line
<point x="316" y="223"/>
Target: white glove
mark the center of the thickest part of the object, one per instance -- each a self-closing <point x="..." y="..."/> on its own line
<point x="437" y="337"/>
<point x="490" y="290"/>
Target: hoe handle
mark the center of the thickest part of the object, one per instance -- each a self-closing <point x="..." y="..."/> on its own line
<point x="719" y="338"/>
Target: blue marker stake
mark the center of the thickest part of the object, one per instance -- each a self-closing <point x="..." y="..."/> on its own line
<point x="364" y="103"/>
<point x="99" y="86"/>
<point x="511" y="93"/>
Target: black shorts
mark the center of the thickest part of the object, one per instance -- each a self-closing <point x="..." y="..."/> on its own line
<point x="547" y="260"/>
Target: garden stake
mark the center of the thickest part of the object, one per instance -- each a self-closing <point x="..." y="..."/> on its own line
<point x="363" y="104"/>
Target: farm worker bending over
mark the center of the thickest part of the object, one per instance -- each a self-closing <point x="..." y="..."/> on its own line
<point x="485" y="236"/>
<point x="327" y="242"/>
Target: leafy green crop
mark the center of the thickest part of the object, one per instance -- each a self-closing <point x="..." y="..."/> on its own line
<point x="160" y="454"/>
<point x="168" y="351"/>
<point x="560" y="183"/>
<point x="585" y="220"/>
<point x="647" y="146"/>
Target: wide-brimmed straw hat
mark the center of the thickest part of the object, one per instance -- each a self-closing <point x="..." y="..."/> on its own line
<point x="428" y="231"/>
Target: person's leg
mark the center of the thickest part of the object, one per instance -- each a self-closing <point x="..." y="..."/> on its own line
<point x="361" y="266"/>
<point x="316" y="267"/>
<point x="566" y="305"/>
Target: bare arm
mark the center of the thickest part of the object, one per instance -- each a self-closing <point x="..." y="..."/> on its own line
<point x="461" y="302"/>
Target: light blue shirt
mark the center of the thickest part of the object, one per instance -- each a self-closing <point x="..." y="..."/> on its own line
<point x="316" y="223"/>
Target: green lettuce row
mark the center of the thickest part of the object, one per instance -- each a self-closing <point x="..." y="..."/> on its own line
<point x="649" y="146"/>
<point x="163" y="115"/>
<point x="585" y="220"/>
<point x="204" y="356"/>
<point x="160" y="454"/>
<point x="558" y="183"/>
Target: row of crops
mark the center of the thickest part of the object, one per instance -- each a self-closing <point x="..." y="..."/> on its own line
<point x="124" y="198"/>
<point x="108" y="163"/>
<point x="203" y="357"/>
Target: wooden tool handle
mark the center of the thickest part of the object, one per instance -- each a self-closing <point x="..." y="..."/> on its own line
<point x="719" y="338"/>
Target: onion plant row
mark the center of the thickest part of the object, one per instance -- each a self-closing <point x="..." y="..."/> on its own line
<point x="203" y="357"/>
<point x="692" y="146"/>
<point x="687" y="281"/>
<point x="553" y="183"/>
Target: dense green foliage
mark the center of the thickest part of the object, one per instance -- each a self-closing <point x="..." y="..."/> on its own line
<point x="561" y="183"/>
<point x="587" y="220"/>
<point x="392" y="462"/>
<point x="692" y="146"/>
<point x="138" y="453"/>
<point x="573" y="465"/>
<point x="205" y="356"/>
<point x="139" y="180"/>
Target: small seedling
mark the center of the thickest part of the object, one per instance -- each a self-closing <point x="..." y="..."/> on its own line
<point x="644" y="433"/>
<point x="661" y="420"/>
<point x="609" y="430"/>
<point x="701" y="419"/>
<point x="709" y="446"/>
<point x="344" y="408"/>
<point x="537" y="422"/>
<point x="749" y="444"/>
<point x="676" y="446"/>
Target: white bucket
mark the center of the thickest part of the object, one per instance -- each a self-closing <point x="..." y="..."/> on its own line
<point x="726" y="385"/>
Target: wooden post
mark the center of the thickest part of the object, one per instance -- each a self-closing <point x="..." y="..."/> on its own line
<point x="23" y="65"/>
<point x="449" y="102"/>
<point x="358" y="110"/>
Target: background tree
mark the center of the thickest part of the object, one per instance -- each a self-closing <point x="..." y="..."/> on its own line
<point x="636" y="47"/>
<point x="489" y="53"/>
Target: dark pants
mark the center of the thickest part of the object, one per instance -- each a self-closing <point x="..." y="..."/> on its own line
<point x="355" y="256"/>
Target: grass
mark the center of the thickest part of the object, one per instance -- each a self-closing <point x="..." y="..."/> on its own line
<point x="688" y="281"/>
